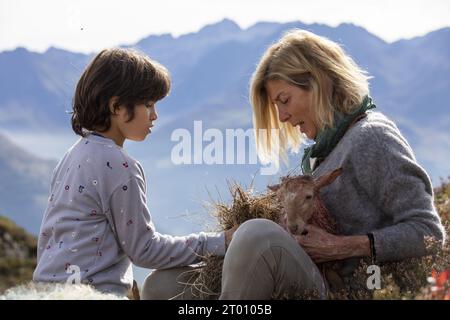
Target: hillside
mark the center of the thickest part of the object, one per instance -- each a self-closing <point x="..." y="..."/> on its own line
<point x="17" y="254"/>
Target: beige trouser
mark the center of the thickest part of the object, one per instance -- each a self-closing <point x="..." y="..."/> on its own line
<point x="261" y="262"/>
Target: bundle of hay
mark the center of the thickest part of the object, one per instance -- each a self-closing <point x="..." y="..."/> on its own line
<point x="206" y="281"/>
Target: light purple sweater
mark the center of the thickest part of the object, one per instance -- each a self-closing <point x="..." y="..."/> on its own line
<point x="97" y="219"/>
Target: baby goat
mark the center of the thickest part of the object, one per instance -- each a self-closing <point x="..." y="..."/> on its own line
<point x="301" y="202"/>
<point x="300" y="199"/>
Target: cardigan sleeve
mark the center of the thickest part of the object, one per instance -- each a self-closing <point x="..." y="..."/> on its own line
<point x="386" y="169"/>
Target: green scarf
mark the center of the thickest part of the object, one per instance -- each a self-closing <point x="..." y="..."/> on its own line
<point x="328" y="138"/>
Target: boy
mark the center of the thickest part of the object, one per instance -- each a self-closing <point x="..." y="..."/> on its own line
<point x="97" y="222"/>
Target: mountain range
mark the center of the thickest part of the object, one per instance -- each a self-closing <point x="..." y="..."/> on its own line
<point x="210" y="72"/>
<point x="24" y="184"/>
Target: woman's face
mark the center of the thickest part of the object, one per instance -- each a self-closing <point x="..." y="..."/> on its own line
<point x="294" y="105"/>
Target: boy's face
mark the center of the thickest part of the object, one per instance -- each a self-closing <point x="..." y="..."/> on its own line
<point x="138" y="128"/>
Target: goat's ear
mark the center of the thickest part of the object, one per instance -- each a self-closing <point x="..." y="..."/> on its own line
<point x="274" y="187"/>
<point x="326" y="179"/>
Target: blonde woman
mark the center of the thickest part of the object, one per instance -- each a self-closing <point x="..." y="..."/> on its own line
<point x="305" y="85"/>
<point x="383" y="202"/>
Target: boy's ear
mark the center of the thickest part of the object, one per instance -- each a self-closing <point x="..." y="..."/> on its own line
<point x="327" y="179"/>
<point x="111" y="104"/>
<point x="274" y="187"/>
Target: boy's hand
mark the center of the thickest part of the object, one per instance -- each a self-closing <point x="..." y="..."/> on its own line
<point x="283" y="222"/>
<point x="229" y="235"/>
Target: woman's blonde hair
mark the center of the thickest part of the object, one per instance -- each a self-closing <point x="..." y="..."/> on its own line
<point x="310" y="62"/>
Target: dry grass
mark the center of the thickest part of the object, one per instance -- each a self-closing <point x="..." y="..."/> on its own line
<point x="418" y="278"/>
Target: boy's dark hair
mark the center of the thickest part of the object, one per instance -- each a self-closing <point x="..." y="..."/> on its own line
<point x="123" y="73"/>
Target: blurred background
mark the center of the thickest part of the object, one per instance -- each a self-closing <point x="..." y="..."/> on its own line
<point x="211" y="49"/>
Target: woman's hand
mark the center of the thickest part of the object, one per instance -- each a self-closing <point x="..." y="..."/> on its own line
<point x="322" y="246"/>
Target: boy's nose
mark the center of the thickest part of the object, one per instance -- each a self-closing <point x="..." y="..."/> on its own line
<point x="153" y="115"/>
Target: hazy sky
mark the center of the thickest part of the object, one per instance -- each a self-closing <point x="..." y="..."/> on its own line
<point x="89" y="25"/>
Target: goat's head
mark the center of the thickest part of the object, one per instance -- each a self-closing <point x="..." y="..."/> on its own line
<point x="298" y="194"/>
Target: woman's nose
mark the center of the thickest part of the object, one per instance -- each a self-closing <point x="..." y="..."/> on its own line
<point x="283" y="115"/>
